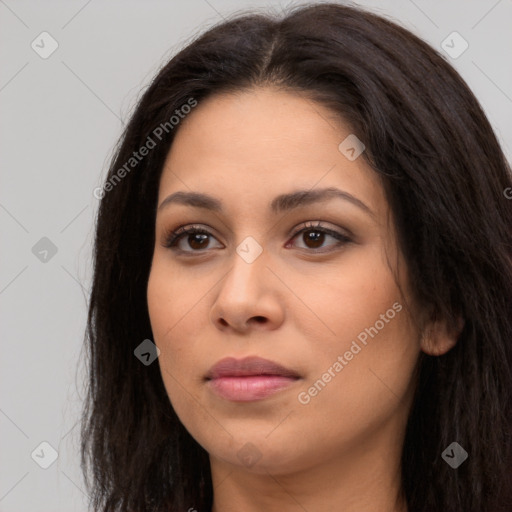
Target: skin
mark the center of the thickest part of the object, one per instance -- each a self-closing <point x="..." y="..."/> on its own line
<point x="292" y="305"/>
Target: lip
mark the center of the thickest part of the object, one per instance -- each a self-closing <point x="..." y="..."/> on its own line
<point x="249" y="379"/>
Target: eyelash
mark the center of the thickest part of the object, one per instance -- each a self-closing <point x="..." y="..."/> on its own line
<point x="172" y="237"/>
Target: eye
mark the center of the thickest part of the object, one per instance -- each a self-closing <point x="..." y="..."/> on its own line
<point x="314" y="236"/>
<point x="197" y="239"/>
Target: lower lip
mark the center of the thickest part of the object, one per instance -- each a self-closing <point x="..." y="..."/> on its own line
<point x="251" y="388"/>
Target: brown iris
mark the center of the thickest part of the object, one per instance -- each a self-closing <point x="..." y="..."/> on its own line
<point x="314" y="237"/>
<point x="198" y="240"/>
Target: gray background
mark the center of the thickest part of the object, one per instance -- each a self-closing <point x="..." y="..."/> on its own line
<point x="60" y="118"/>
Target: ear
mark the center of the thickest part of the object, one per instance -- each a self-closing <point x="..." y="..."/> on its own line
<point x="439" y="336"/>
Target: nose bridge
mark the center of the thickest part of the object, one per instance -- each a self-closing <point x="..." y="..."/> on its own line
<point x="246" y="296"/>
<point x="248" y="270"/>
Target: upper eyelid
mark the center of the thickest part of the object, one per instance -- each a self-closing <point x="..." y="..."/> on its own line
<point x="293" y="232"/>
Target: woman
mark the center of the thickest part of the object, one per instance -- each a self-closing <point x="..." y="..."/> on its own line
<point x="303" y="280"/>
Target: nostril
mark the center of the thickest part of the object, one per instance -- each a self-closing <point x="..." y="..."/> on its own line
<point x="260" y="319"/>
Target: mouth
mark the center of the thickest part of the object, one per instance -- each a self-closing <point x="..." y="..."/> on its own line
<point x="249" y="379"/>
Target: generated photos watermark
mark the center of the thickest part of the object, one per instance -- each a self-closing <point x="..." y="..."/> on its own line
<point x="151" y="143"/>
<point x="304" y="397"/>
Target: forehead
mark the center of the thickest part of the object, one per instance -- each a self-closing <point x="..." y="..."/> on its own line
<point x="257" y="143"/>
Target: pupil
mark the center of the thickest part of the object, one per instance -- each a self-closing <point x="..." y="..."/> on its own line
<point x="314" y="237"/>
<point x="196" y="241"/>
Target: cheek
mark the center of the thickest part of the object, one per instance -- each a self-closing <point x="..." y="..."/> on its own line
<point x="176" y="303"/>
<point x="348" y="298"/>
<point x="346" y="401"/>
<point x="170" y="307"/>
<point x="362" y="365"/>
<point x="179" y="315"/>
<point x="365" y="367"/>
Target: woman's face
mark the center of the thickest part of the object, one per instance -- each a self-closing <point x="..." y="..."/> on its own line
<point x="323" y="303"/>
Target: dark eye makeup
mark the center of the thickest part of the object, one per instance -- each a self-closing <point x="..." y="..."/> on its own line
<point x="198" y="239"/>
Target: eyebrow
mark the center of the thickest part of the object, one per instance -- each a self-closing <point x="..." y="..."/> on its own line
<point x="281" y="203"/>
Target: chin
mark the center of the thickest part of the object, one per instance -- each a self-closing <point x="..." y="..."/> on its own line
<point x="257" y="452"/>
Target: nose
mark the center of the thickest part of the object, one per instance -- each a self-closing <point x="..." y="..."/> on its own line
<point x="249" y="297"/>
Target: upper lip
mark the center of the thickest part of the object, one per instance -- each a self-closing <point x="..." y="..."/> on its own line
<point x="246" y="367"/>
